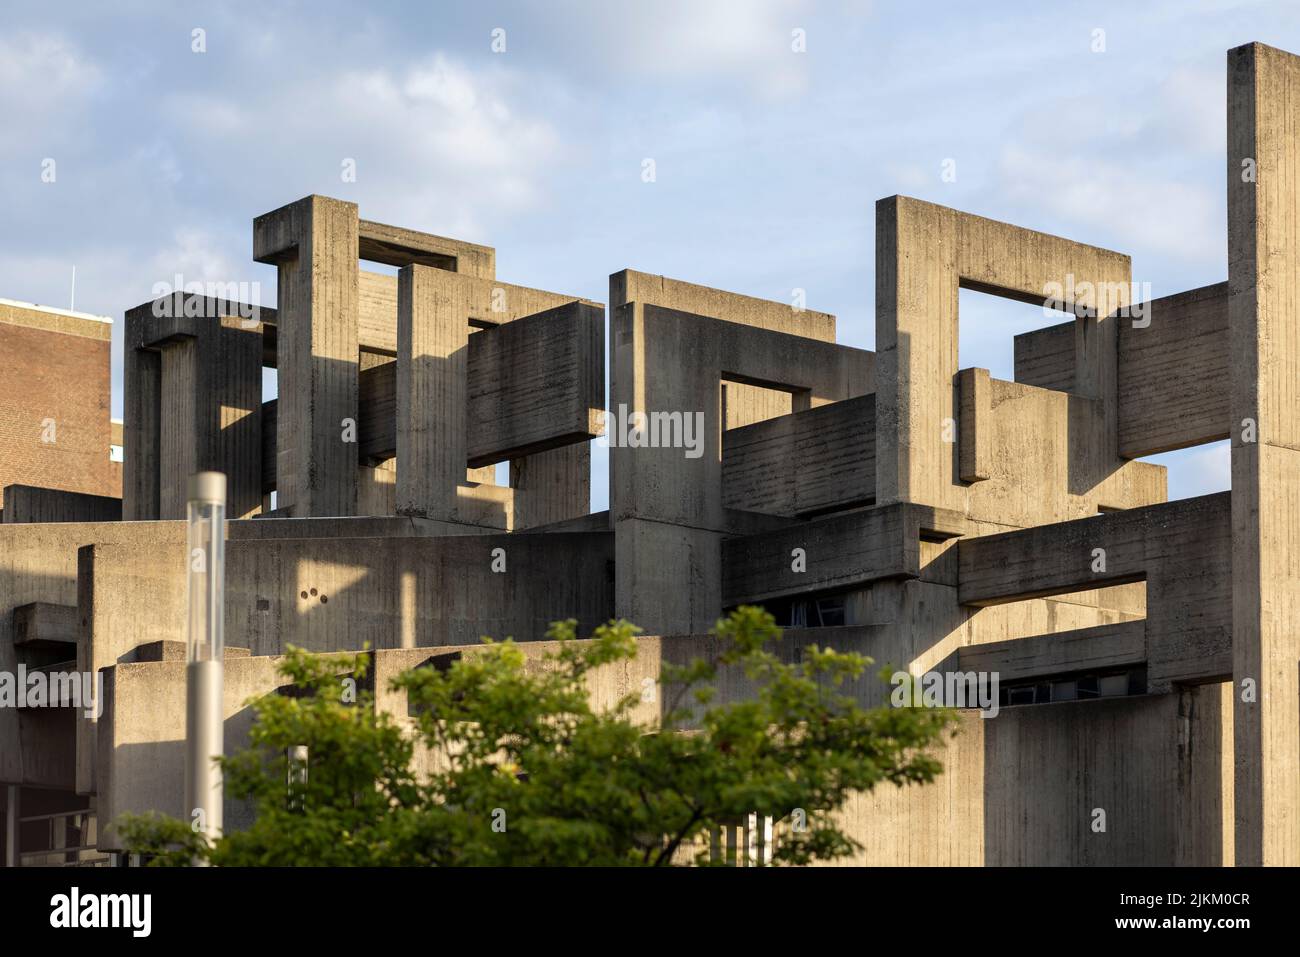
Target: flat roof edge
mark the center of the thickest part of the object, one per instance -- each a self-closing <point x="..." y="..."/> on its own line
<point x="37" y="307"/>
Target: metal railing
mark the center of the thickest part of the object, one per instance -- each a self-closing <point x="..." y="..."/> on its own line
<point x="70" y="841"/>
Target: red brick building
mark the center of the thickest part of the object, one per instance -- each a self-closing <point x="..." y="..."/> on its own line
<point x="54" y="400"/>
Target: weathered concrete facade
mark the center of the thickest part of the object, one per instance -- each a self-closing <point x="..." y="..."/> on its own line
<point x="934" y="518"/>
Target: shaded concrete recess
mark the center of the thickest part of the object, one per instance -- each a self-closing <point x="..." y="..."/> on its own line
<point x="935" y="518"/>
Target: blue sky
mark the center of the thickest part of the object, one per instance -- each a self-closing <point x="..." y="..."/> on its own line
<point x="768" y="162"/>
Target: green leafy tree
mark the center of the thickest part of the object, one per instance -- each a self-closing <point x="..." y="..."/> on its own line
<point x="518" y="768"/>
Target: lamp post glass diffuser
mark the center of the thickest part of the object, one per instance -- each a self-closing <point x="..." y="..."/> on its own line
<point x="205" y="649"/>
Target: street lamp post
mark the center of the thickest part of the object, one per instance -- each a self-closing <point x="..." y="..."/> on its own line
<point x="205" y="650"/>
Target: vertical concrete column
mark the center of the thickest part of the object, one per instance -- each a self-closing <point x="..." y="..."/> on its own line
<point x="916" y="353"/>
<point x="182" y="426"/>
<point x="666" y="509"/>
<point x="143" y="386"/>
<point x="210" y="413"/>
<point x="432" y="392"/>
<point x="1264" y="334"/>
<point x="1094" y="429"/>
<point x="231" y="357"/>
<point x="976" y="426"/>
<point x="314" y="244"/>
<point x="1106" y="290"/>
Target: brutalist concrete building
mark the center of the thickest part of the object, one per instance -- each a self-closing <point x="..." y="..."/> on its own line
<point x="932" y="517"/>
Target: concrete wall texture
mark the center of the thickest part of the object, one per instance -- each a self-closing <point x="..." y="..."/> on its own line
<point x="1147" y="652"/>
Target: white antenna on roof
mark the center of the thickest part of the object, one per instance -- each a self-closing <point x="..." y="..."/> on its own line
<point x="72" y="307"/>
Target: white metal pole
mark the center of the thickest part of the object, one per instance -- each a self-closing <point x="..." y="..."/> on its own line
<point x="205" y="651"/>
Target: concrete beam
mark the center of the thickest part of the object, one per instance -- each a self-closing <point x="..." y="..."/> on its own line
<point x="838" y="551"/>
<point x="1182" y="550"/>
<point x="42" y="624"/>
<point x="1173" y="373"/>
<point x="337" y="594"/>
<point x="470" y="292"/>
<point x="173" y="650"/>
<point x="487" y="304"/>
<point x="1045" y="357"/>
<point x="23" y="504"/>
<point x="804" y="463"/>
<point x="536" y="383"/>
<point x="396" y="246"/>
<point x="376" y="427"/>
<point x="1101" y="648"/>
<point x="742" y="404"/>
<point x="483" y="303"/>
<point x="629" y="285"/>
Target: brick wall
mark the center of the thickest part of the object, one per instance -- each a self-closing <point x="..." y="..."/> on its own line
<point x="54" y="402"/>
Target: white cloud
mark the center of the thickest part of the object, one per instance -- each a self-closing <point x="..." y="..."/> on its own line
<point x="1191" y="114"/>
<point x="676" y="40"/>
<point x="437" y="145"/>
<point x="1147" y="210"/>
<point x="197" y="255"/>
<point x="46" y="83"/>
<point x="38" y="70"/>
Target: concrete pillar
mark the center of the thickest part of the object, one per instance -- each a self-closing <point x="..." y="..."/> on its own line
<point x="231" y="363"/>
<point x="143" y="382"/>
<point x="916" y="353"/>
<point x="181" y="431"/>
<point x="1264" y="335"/>
<point x="976" y="426"/>
<point x="666" y="509"/>
<point x="207" y="409"/>
<point x="314" y="244"/>
<point x="432" y="373"/>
